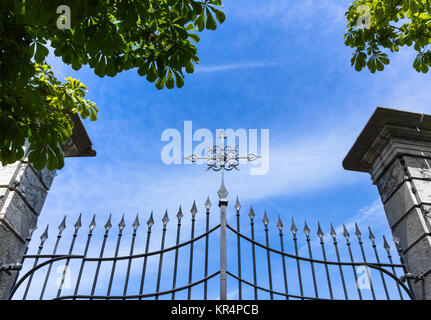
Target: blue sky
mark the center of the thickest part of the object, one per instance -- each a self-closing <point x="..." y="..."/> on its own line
<point x="277" y="65"/>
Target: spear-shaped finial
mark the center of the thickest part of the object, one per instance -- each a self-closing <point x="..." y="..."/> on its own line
<point x="237" y="205"/>
<point x="251" y="214"/>
<point x="280" y="225"/>
<point x="62" y="226"/>
<point x="180" y="215"/>
<point x="307" y="230"/>
<point x="150" y="221"/>
<point x="121" y="225"/>
<point x="194" y="209"/>
<point x="108" y="224"/>
<point x="293" y="228"/>
<point x="333" y="233"/>
<point x="165" y="219"/>
<point x="208" y="204"/>
<point x="265" y="220"/>
<point x="136" y="223"/>
<point x="346" y="233"/>
<point x="78" y="224"/>
<point x="371" y="236"/>
<point x="319" y="231"/>
<point x="222" y="192"/>
<point x="92" y="224"/>
<point x="44" y="235"/>
<point x="357" y="231"/>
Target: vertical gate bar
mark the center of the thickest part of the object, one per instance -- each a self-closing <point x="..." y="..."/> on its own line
<point x="43" y="238"/>
<point x="238" y="241"/>
<point x="207" y="226"/>
<point x="87" y="244"/>
<point x="193" y="211"/>
<point x="298" y="264"/>
<point x="347" y="236"/>
<point x="222" y="193"/>
<point x="150" y="223"/>
<point x="322" y="244"/>
<point x="61" y="227"/>
<point x="107" y="227"/>
<point x="307" y="233"/>
<point x="268" y="257"/>
<point x="372" y="239"/>
<point x="280" y="229"/>
<point x="359" y="234"/>
<point x="253" y="251"/>
<point x="388" y="250"/>
<point x="75" y="234"/>
<point x="174" y="280"/>
<point x="121" y="226"/>
<point x="340" y="268"/>
<point x="132" y="247"/>
<point x="165" y="221"/>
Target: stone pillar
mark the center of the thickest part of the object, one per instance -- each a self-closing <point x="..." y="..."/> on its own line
<point x="23" y="191"/>
<point x="395" y="149"/>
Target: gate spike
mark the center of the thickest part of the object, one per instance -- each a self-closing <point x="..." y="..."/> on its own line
<point x="251" y="214"/>
<point x="121" y="225"/>
<point x="237" y="205"/>
<point x="386" y="245"/>
<point x="165" y="219"/>
<point x="333" y="233"/>
<point x="371" y="236"/>
<point x="357" y="231"/>
<point x="306" y="230"/>
<point x="78" y="223"/>
<point x="108" y="224"/>
<point x="150" y="221"/>
<point x="280" y="224"/>
<point x="180" y="215"/>
<point x="92" y="223"/>
<point x="265" y="220"/>
<point x="293" y="228"/>
<point x="346" y="234"/>
<point x="208" y="204"/>
<point x="319" y="231"/>
<point x="194" y="209"/>
<point x="222" y="192"/>
<point x="44" y="235"/>
<point x="136" y="223"/>
<point x="62" y="225"/>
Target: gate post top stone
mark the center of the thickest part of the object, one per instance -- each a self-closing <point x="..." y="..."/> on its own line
<point x="395" y="149"/>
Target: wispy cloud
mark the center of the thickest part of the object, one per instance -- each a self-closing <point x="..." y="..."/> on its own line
<point x="233" y="66"/>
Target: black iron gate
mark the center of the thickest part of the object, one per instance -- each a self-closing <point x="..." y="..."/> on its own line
<point x="246" y="268"/>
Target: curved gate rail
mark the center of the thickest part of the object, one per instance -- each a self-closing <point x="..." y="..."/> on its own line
<point x="305" y="275"/>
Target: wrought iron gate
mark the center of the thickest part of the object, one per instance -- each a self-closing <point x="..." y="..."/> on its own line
<point x="244" y="271"/>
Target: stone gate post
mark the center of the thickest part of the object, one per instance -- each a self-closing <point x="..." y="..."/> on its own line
<point x="395" y="149"/>
<point x="23" y="190"/>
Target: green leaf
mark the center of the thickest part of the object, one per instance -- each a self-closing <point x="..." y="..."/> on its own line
<point x="200" y="22"/>
<point x="211" y="23"/>
<point x="170" y="80"/>
<point x="41" y="53"/>
<point x="189" y="67"/>
<point x="221" y="17"/>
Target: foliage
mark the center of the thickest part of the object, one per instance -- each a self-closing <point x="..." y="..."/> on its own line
<point x="153" y="36"/>
<point x="377" y="27"/>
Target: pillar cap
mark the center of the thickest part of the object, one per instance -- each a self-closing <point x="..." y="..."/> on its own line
<point x="79" y="144"/>
<point x="401" y="124"/>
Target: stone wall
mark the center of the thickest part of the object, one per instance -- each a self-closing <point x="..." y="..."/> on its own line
<point x="22" y="194"/>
